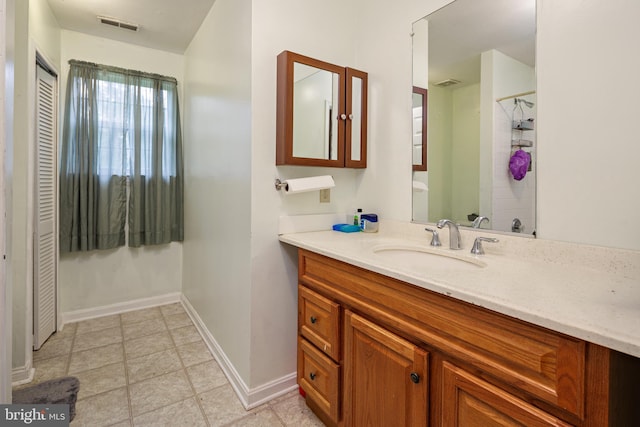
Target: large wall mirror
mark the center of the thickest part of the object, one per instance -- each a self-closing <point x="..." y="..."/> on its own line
<point x="476" y="59"/>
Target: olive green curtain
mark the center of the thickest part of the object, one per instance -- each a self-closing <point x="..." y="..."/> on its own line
<point x="121" y="157"/>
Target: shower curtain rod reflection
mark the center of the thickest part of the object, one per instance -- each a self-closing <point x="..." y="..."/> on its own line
<point x="531" y="92"/>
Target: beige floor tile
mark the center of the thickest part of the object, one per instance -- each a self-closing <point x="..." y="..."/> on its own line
<point x="98" y="324"/>
<point x="153" y="365"/>
<point x="293" y="411"/>
<point x="166" y="398"/>
<point x="49" y="369"/>
<point x="263" y="418"/>
<point x="95" y="339"/>
<point x="169" y="309"/>
<point x="177" y="320"/>
<point x="148" y="344"/>
<point x="141" y="329"/>
<point x="221" y="406"/>
<point x="194" y="353"/>
<point x="53" y="349"/>
<point x="206" y="376"/>
<point x="99" y="380"/>
<point x="184" y="413"/>
<point x="185" y="335"/>
<point x="95" y="358"/>
<point x="103" y="409"/>
<point x="158" y="392"/>
<point x="141" y="315"/>
<point x="68" y="331"/>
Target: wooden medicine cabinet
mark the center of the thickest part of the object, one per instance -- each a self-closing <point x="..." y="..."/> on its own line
<point x="321" y="113"/>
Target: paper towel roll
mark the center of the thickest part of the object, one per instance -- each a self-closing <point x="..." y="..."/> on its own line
<point x="312" y="183"/>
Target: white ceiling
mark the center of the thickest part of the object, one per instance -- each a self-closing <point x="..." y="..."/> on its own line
<point x="458" y="32"/>
<point x="462" y="30"/>
<point x="163" y="24"/>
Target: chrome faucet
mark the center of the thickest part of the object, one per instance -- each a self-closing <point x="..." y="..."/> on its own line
<point x="478" y="221"/>
<point x="454" y="233"/>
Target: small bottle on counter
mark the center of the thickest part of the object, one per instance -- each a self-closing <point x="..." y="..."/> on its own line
<point x="356" y="217"/>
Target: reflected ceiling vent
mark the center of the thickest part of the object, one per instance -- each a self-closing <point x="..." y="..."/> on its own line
<point x="118" y="23"/>
<point x="448" y="82"/>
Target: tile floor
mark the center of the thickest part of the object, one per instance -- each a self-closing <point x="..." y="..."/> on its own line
<point x="151" y="368"/>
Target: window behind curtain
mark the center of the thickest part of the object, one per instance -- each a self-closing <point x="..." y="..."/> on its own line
<point x="120" y="127"/>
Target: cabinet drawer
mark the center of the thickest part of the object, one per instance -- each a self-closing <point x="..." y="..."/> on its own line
<point x="319" y="377"/>
<point x="468" y="400"/>
<point x="319" y="321"/>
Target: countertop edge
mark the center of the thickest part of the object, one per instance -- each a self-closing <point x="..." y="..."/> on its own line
<point x="593" y="333"/>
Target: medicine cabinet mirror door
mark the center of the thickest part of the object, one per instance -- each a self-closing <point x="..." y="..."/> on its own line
<point x="419" y="111"/>
<point x="321" y="113"/>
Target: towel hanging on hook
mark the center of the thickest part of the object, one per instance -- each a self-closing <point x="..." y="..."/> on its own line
<point x="519" y="164"/>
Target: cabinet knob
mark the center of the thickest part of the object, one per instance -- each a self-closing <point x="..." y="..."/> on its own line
<point x="312" y="376"/>
<point x="343" y="116"/>
<point x="313" y="319"/>
<point x="415" y="378"/>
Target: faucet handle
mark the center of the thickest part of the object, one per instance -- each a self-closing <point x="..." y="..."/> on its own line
<point x="477" y="244"/>
<point x="435" y="239"/>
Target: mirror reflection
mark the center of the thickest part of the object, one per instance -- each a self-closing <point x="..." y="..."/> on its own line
<point x="419" y="110"/>
<point x="477" y="60"/>
<point x="315" y="97"/>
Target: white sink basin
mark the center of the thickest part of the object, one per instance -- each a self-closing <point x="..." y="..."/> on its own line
<point x="427" y="257"/>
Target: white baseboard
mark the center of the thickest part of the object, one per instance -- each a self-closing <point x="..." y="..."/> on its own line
<point x="22" y="375"/>
<point x="123" y="307"/>
<point x="250" y="398"/>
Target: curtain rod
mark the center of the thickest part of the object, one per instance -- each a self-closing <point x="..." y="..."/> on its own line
<point x="516" y="95"/>
<point x="122" y="70"/>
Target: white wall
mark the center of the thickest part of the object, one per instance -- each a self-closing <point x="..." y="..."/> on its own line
<point x="588" y="91"/>
<point x="99" y="278"/>
<point x="217" y="253"/>
<point x="7" y="55"/>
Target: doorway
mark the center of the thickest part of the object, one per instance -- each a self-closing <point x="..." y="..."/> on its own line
<point x="45" y="213"/>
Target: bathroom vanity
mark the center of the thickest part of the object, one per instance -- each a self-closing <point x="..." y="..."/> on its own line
<point x="392" y="332"/>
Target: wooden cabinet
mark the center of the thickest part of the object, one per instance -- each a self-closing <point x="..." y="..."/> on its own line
<point x="321" y="114"/>
<point x="385" y="377"/>
<point x="375" y="351"/>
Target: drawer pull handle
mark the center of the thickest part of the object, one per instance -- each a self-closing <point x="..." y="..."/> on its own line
<point x="415" y="378"/>
<point x="312" y="376"/>
<point x="313" y="319"/>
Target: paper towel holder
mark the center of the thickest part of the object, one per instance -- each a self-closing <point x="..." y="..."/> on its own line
<point x="302" y="185"/>
<point x="280" y="185"/>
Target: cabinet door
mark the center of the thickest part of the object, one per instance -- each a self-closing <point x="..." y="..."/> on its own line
<point x="468" y="401"/>
<point x="385" y="377"/>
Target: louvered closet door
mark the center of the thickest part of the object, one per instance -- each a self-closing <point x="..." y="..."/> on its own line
<point x="44" y="280"/>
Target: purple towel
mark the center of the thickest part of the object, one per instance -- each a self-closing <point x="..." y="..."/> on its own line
<point x="519" y="164"/>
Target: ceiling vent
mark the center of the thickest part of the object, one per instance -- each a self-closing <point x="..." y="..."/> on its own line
<point x="448" y="82"/>
<point x="117" y="23"/>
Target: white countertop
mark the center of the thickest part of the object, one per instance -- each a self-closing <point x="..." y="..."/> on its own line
<point x="587" y="292"/>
